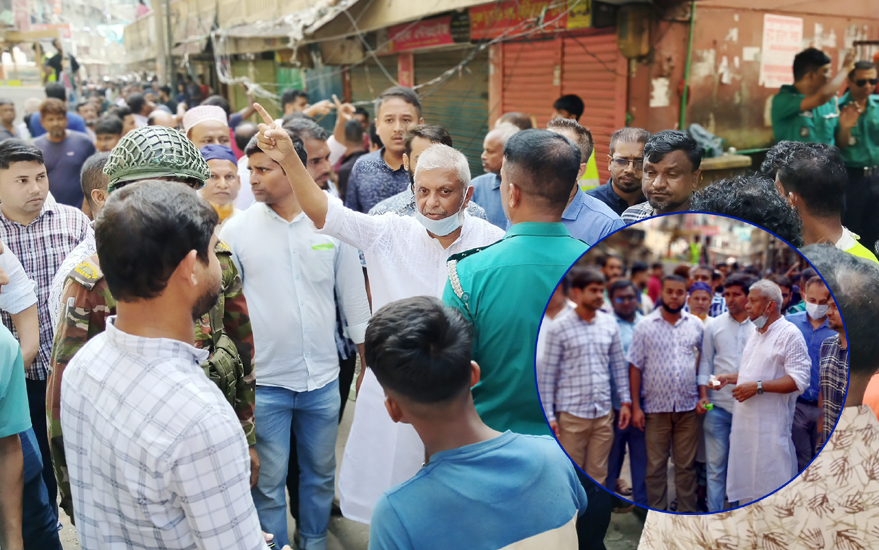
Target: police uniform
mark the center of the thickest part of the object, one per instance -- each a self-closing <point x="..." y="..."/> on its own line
<point x="861" y="157"/>
<point x="790" y="123"/>
<point x="225" y="331"/>
<point x="502" y="290"/>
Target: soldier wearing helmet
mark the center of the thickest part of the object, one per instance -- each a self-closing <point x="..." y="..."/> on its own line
<point x="155" y="152"/>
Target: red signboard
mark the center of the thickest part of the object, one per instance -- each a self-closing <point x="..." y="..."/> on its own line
<point x="424" y="34"/>
<point x="514" y="17"/>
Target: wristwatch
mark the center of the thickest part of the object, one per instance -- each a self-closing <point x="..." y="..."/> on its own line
<point x="759" y="387"/>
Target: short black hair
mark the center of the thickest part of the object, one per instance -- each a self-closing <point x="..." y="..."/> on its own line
<point x="703" y="267"/>
<point x="620" y="285"/>
<point x="136" y="103"/>
<point x="754" y="199"/>
<point x="655" y="265"/>
<point x="776" y="157"/>
<point x="741" y="280"/>
<point x="374" y="138"/>
<point x="144" y="232"/>
<point x="584" y="140"/>
<point x="816" y="172"/>
<point x="165" y="88"/>
<point x="781" y="280"/>
<point x="288" y="118"/>
<point x="602" y="260"/>
<point x="638" y="267"/>
<point x="400" y="92"/>
<point x="15" y="150"/>
<point x="628" y="135"/>
<point x="253" y="147"/>
<point x="121" y="111"/>
<point x="861" y="66"/>
<point x="544" y="165"/>
<point x="361" y="111"/>
<point x="666" y="141"/>
<point x="420" y="349"/>
<point x="108" y="124"/>
<point x="244" y="132"/>
<point x="430" y="132"/>
<point x="289" y="96"/>
<point x="56" y="90"/>
<point x="854" y="283"/>
<point x="305" y="128"/>
<point x="353" y="132"/>
<point x="808" y="60"/>
<point x="520" y="120"/>
<point x="92" y="176"/>
<point x="570" y="103"/>
<point x="673" y="278"/>
<point x="581" y="278"/>
<point x="219" y="101"/>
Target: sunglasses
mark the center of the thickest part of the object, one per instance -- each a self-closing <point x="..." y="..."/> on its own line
<point x="623" y="162"/>
<point x="864" y="81"/>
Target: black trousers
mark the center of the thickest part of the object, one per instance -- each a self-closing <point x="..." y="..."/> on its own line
<point x="861" y="203"/>
<point x="36" y="399"/>
<point x="346" y="377"/>
<point x="592" y="525"/>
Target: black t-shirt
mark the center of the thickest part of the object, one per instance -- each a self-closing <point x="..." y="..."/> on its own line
<point x="55" y="63"/>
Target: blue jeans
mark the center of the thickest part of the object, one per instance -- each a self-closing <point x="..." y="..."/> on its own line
<point x="39" y="526"/>
<point x="717" y="426"/>
<point x="637" y="459"/>
<point x="314" y="416"/>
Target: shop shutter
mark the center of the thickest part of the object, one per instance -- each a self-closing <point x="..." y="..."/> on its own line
<point x="367" y="80"/>
<point x="460" y="103"/>
<point x="530" y="80"/>
<point x="594" y="69"/>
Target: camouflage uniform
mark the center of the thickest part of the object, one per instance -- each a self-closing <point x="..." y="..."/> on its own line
<point x="86" y="304"/>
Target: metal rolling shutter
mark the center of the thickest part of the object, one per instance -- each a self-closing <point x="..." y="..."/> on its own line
<point x="460" y="103"/>
<point x="594" y="69"/>
<point x="368" y="80"/>
<point x="528" y="79"/>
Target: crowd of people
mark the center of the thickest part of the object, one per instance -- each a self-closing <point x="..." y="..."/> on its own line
<point x="674" y="362"/>
<point x="178" y="246"/>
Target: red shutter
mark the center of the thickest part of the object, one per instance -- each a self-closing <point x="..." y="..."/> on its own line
<point x="528" y="80"/>
<point x="594" y="69"/>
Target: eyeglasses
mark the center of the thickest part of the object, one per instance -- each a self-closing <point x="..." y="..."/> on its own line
<point x="622" y="162"/>
<point x="624" y="299"/>
<point x="863" y="82"/>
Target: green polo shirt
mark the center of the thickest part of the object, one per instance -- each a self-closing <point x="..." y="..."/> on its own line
<point x="791" y="124"/>
<point x="863" y="149"/>
<point x="503" y="291"/>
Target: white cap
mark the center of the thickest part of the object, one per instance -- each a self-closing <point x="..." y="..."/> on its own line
<point x="202" y="113"/>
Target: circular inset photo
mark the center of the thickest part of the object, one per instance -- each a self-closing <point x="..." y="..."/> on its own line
<point x="687" y="363"/>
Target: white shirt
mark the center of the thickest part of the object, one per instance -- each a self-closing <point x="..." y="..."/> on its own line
<point x="722" y="345"/>
<point x="245" y="194"/>
<point x="20" y="293"/>
<point x="402" y="261"/>
<point x="83" y="251"/>
<point x="156" y="455"/>
<point x="762" y="457"/>
<point x="289" y="273"/>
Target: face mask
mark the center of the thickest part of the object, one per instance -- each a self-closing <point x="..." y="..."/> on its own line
<point x="442" y="227"/>
<point x="760" y="322"/>
<point x="815" y="311"/>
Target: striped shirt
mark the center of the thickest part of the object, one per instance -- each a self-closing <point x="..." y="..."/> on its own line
<point x="718" y="305"/>
<point x="834" y="381"/>
<point x="156" y="456"/>
<point x="637" y="213"/>
<point x="580" y="359"/>
<point x="41" y="246"/>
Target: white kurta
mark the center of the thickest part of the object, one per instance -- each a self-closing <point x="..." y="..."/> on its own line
<point x="762" y="457"/>
<point x="402" y="261"/>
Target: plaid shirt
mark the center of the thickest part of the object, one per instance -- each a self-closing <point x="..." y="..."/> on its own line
<point x="834" y="380"/>
<point x="637" y="213"/>
<point x="580" y="358"/>
<point x="41" y="246"/>
<point x="156" y="456"/>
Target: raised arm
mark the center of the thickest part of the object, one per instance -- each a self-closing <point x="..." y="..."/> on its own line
<point x="826" y="92"/>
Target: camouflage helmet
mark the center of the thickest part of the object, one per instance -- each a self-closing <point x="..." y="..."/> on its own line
<point x="155" y="152"/>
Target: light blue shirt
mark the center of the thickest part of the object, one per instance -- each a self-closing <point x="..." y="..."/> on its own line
<point x="484" y="496"/>
<point x="627" y="329"/>
<point x="589" y="219"/>
<point x="666" y="355"/>
<point x="289" y="274"/>
<point x="487" y="194"/>
<point x="722" y="347"/>
<point x="814" y="338"/>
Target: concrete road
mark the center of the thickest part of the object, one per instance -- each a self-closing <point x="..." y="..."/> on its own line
<point x="344" y="534"/>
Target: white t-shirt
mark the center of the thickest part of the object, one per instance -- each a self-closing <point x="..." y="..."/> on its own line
<point x="20" y="293"/>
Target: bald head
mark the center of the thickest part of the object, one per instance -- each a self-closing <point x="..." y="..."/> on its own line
<point x="244" y="132"/>
<point x="493" y="147"/>
<point x="160" y="117"/>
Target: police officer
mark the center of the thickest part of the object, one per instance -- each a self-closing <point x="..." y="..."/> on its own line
<point x="156" y="152"/>
<point x="858" y="141"/>
<point x="805" y="110"/>
<point x="537" y="177"/>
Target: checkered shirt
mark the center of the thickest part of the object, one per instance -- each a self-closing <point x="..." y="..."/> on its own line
<point x="666" y="355"/>
<point x="41" y="246"/>
<point x="156" y="455"/>
<point x="637" y="213"/>
<point x="834" y="381"/>
<point x="580" y="358"/>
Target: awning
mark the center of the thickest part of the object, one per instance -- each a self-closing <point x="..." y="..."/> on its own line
<point x="192" y="46"/>
<point x="297" y="27"/>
